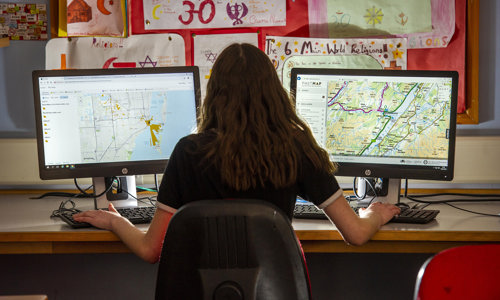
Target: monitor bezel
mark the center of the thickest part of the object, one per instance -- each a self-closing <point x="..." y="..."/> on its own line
<point x="393" y="170"/>
<point x="109" y="169"/>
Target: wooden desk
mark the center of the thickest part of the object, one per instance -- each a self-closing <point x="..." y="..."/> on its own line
<point x="26" y="228"/>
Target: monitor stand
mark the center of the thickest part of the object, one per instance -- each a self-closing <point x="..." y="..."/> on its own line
<point x="125" y="195"/>
<point x="388" y="192"/>
<point x="393" y="188"/>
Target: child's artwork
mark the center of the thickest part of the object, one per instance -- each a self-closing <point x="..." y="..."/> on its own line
<point x="361" y="18"/>
<point x="206" y="48"/>
<point x="166" y="14"/>
<point x="138" y="51"/>
<point x="23" y="21"/>
<point x="384" y="53"/>
<point x="324" y="17"/>
<point x="95" y="18"/>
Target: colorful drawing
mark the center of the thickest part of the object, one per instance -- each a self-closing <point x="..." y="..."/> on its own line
<point x="377" y="17"/>
<point x="95" y="18"/>
<point x="328" y="20"/>
<point x="388" y="53"/>
<point x="186" y="14"/>
<point x="22" y="21"/>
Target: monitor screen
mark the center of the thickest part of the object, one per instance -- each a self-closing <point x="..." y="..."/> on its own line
<point x="381" y="123"/>
<point x="112" y="122"/>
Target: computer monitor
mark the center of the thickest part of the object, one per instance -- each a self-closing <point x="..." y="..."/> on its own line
<point x="112" y="123"/>
<point x="388" y="124"/>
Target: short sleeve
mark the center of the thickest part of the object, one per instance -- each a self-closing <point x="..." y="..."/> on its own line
<point x="318" y="186"/>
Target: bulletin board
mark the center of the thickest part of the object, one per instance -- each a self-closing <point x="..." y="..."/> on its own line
<point x="461" y="54"/>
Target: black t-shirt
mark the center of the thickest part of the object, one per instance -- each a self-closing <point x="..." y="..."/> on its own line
<point x="185" y="181"/>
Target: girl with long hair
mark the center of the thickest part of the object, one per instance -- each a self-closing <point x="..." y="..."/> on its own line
<point x="250" y="144"/>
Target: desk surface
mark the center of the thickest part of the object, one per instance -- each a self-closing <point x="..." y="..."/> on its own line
<point x="26" y="227"/>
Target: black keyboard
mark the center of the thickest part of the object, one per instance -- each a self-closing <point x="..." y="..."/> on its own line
<point x="418" y="216"/>
<point x="136" y="215"/>
<point x="308" y="211"/>
<point x="305" y="210"/>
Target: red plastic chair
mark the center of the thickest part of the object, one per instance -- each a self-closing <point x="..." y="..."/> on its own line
<point x="465" y="272"/>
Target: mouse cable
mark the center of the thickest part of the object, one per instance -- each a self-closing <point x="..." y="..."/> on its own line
<point x="63" y="209"/>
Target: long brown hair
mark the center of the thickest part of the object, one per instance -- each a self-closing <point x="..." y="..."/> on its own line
<point x="259" y="137"/>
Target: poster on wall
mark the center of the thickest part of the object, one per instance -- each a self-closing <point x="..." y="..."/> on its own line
<point x="207" y="47"/>
<point x="23" y="21"/>
<point x="362" y="18"/>
<point x="288" y="52"/>
<point x="328" y="19"/>
<point x="140" y="51"/>
<point x="166" y="14"/>
<point x="95" y="18"/>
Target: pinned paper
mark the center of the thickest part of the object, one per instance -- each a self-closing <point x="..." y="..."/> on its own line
<point x="166" y="14"/>
<point x="207" y="48"/>
<point x="361" y="18"/>
<point x="324" y="17"/>
<point x="95" y="18"/>
<point x="388" y="53"/>
<point x="138" y="51"/>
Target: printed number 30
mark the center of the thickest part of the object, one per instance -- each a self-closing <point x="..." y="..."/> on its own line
<point x="191" y="11"/>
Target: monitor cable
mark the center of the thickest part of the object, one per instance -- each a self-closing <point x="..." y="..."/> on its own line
<point x="360" y="197"/>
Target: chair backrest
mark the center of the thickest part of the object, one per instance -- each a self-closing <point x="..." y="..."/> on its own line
<point x="465" y="272"/>
<point x="231" y="249"/>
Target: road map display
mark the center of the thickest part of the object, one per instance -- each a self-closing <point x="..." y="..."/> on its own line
<point x="129" y="126"/>
<point x="394" y="119"/>
<point x="99" y="119"/>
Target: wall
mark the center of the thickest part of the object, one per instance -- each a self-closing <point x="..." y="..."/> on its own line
<point x="476" y="156"/>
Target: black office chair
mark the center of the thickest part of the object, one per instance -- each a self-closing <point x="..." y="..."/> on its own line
<point x="231" y="249"/>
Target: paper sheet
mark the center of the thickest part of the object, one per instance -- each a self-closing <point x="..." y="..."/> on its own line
<point x="166" y="14"/>
<point x="389" y="53"/>
<point x="361" y="18"/>
<point x="443" y="27"/>
<point x="95" y="18"/>
<point x="442" y="16"/>
<point x="206" y="48"/>
<point x="139" y="51"/>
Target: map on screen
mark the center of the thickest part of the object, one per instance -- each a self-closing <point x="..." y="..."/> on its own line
<point x="388" y="119"/>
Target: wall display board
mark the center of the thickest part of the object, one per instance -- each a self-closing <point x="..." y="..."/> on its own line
<point x="452" y="43"/>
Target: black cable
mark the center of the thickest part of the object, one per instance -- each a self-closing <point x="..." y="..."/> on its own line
<point x="471" y="211"/>
<point x="93" y="195"/>
<point x="360" y="198"/>
<point x="413" y="198"/>
<point x="59" y="194"/>
<point x="481" y="197"/>
<point x="63" y="209"/>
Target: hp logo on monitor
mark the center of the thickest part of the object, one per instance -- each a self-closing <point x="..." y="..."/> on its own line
<point x="368" y="172"/>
